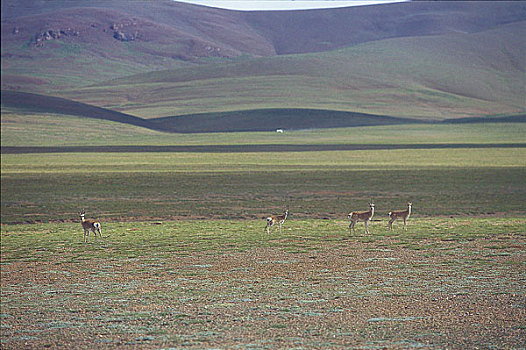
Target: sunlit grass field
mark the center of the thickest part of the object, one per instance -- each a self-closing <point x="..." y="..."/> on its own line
<point x="184" y="260"/>
<point x="117" y="186"/>
<point x="317" y="184"/>
<point x="226" y="283"/>
<point x="30" y="129"/>
<point x="133" y="239"/>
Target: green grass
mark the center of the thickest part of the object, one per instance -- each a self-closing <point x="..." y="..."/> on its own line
<point x="135" y="239"/>
<point x="116" y="186"/>
<point x="315" y="161"/>
<point x="369" y="78"/>
<point x="208" y="282"/>
<point x="436" y="77"/>
<point x="67" y="65"/>
<point x="43" y="187"/>
<point x="33" y="129"/>
<point x="185" y="260"/>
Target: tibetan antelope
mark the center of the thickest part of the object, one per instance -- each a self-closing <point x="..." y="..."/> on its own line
<point x="400" y="214"/>
<point x="90" y="225"/>
<point x="364" y="216"/>
<point x="280" y="219"/>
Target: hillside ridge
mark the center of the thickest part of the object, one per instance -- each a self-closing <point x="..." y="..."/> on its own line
<point x="282" y="32"/>
<point x="428" y="60"/>
<point x="252" y="120"/>
<point x="140" y="36"/>
<point x="430" y="78"/>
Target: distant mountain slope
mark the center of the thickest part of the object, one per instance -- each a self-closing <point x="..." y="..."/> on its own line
<point x="432" y="78"/>
<point x="322" y="30"/>
<point x="288" y="32"/>
<point x="55" y="44"/>
<point x="427" y="61"/>
<point x="72" y="43"/>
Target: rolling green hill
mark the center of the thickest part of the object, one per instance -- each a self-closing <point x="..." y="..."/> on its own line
<point x="17" y="104"/>
<point x="426" y="78"/>
<point x="191" y="68"/>
<point x="26" y="128"/>
<point x="54" y="45"/>
<point x="250" y="120"/>
<point x="48" y="104"/>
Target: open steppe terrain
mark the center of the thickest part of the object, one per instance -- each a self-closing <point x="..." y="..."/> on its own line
<point x="159" y="120"/>
<point x="184" y="261"/>
<point x="151" y="59"/>
<point x="443" y="283"/>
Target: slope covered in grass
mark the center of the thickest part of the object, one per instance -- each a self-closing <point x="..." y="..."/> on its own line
<point x="431" y="78"/>
<point x="253" y="120"/>
<point x="54" y="45"/>
<point x="159" y="186"/>
<point x="26" y="128"/>
<point x="48" y="104"/>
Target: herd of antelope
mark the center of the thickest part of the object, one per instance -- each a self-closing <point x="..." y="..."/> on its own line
<point x="354" y="216"/>
<point x="367" y="216"/>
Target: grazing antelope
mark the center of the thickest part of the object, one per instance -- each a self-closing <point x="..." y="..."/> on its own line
<point x="400" y="214"/>
<point x="364" y="216"/>
<point x="280" y="219"/>
<point x="90" y="224"/>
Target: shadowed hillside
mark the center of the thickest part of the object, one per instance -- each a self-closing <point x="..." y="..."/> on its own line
<point x="49" y="104"/>
<point x="250" y="120"/>
<point x="322" y="30"/>
<point x="271" y="119"/>
<point x="254" y="120"/>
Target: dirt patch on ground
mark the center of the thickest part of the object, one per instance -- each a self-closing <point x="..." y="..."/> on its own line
<point x="436" y="294"/>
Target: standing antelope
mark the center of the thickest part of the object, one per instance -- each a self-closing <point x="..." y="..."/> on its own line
<point x="364" y="216"/>
<point x="90" y="224"/>
<point x="280" y="219"/>
<point x="400" y="214"/>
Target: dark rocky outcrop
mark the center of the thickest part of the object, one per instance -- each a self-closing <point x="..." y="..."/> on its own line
<point x="52" y="34"/>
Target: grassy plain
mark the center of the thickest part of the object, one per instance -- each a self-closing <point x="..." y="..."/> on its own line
<point x="184" y="260"/>
<point x="114" y="186"/>
<point x="33" y="129"/>
<point x="444" y="283"/>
